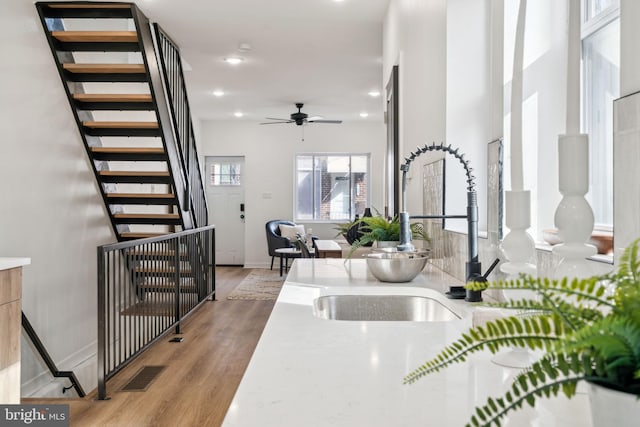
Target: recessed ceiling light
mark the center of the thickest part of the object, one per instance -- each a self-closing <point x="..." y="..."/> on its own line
<point x="374" y="93"/>
<point x="218" y="93"/>
<point x="233" y="60"/>
<point x="238" y="114"/>
<point x="364" y="114"/>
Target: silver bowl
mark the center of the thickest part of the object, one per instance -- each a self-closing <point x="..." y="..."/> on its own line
<point x="396" y="267"/>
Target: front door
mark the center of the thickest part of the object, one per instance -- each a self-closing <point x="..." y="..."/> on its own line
<point x="225" y="197"/>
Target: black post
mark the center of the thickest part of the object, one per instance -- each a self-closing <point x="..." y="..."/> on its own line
<point x="177" y="280"/>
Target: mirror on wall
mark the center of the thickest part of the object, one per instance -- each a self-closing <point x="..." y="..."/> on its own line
<point x="392" y="167"/>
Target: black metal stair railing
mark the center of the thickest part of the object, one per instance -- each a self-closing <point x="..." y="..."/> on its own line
<point x="176" y="90"/>
<point x="48" y="360"/>
<point x="147" y="287"/>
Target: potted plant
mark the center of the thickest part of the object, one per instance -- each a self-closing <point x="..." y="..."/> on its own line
<point x="349" y="230"/>
<point x="588" y="330"/>
<point x="380" y="230"/>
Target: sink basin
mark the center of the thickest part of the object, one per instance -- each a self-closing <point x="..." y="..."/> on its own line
<point x="382" y="308"/>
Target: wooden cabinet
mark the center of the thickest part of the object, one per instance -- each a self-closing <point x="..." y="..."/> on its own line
<point x="10" y="328"/>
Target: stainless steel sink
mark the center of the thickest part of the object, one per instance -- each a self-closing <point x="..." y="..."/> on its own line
<point x="382" y="308"/>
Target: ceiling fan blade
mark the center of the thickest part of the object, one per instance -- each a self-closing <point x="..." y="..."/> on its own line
<point x="276" y="123"/>
<point x="325" y="121"/>
<point x="314" y="118"/>
<point x="282" y="120"/>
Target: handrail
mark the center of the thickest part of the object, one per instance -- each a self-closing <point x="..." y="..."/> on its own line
<point x="146" y="287"/>
<point x="176" y="92"/>
<point x="163" y="111"/>
<point x="46" y="357"/>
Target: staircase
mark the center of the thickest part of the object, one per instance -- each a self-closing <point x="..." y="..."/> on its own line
<point x="125" y="87"/>
<point x="124" y="82"/>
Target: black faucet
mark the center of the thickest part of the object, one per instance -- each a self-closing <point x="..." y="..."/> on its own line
<point x="473" y="267"/>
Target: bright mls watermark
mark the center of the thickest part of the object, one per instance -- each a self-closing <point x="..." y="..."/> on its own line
<point x="34" y="415"/>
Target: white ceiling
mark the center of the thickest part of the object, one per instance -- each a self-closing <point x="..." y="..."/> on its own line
<point x="324" y="53"/>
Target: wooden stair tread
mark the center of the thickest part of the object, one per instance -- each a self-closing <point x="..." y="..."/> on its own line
<point x="121" y="125"/>
<point x="95" y="36"/>
<point x="88" y="6"/>
<point x="146" y="215"/>
<point x="141" y="235"/>
<point x="112" y="97"/>
<point x="133" y="173"/>
<point x="141" y="195"/>
<point x="105" y="68"/>
<point x="151" y="270"/>
<point x="170" y="253"/>
<point x="136" y="150"/>
<point x="167" y="287"/>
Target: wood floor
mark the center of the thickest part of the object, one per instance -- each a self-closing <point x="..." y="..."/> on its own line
<point x="202" y="374"/>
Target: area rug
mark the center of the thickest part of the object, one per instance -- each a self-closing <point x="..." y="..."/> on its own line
<point x="260" y="284"/>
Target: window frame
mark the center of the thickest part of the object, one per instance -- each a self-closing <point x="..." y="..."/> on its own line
<point x="313" y="155"/>
<point x="211" y="174"/>
<point x="590" y="27"/>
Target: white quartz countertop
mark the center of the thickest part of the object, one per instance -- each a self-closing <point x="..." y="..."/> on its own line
<point x="308" y="371"/>
<point x="8" y="263"/>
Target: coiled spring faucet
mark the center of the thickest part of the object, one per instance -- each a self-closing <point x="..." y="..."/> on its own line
<point x="473" y="267"/>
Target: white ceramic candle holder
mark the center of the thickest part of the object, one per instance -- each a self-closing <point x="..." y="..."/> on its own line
<point x="574" y="216"/>
<point x="518" y="246"/>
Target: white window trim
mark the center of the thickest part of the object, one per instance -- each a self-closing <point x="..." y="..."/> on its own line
<point x="295" y="181"/>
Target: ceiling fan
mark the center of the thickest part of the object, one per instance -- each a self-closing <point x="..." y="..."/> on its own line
<point x="300" y="118"/>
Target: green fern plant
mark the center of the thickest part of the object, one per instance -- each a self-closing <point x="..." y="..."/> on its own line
<point x="381" y="229"/>
<point x="587" y="333"/>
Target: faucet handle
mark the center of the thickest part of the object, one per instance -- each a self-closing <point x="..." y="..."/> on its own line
<point x="476" y="296"/>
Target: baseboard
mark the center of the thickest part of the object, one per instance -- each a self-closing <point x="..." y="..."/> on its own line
<point x="83" y="363"/>
<point x="259" y="265"/>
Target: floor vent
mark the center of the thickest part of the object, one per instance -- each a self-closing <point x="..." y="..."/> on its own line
<point x="143" y="378"/>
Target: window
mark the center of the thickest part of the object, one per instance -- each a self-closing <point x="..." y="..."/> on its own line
<point x="224" y="173"/>
<point x="593" y="8"/>
<point x="544" y="118"/>
<point x="331" y="187"/>
<point x="601" y="85"/>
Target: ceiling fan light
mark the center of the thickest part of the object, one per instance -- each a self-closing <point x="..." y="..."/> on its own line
<point x="233" y="60"/>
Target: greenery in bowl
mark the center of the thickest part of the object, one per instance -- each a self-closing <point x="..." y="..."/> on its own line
<point x="378" y="228"/>
<point x="588" y="329"/>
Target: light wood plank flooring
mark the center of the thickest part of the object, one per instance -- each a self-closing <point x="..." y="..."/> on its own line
<point x="202" y="374"/>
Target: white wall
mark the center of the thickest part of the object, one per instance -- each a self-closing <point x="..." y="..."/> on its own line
<point x="629" y="48"/>
<point x="469" y="103"/>
<point x="269" y="153"/>
<point x="50" y="207"/>
<point x="544" y="101"/>
<point x="627" y="130"/>
<point x="415" y="39"/>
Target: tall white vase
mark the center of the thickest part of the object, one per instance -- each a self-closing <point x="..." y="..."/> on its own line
<point x="520" y="250"/>
<point x="518" y="246"/>
<point x="574" y="216"/>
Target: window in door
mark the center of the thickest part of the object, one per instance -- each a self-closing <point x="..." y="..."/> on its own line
<point x="224" y="173"/>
